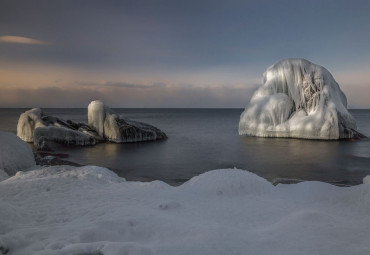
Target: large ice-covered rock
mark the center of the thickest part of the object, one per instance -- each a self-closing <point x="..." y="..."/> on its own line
<point x="116" y="129"/>
<point x="298" y="99"/>
<point x="15" y="155"/>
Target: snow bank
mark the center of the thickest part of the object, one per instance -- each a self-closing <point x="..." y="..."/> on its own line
<point x="298" y="99"/>
<point x="15" y="155"/>
<point x="116" y="129"/>
<point x="90" y="210"/>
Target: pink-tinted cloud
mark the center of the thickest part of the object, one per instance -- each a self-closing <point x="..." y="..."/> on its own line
<point x="21" y="40"/>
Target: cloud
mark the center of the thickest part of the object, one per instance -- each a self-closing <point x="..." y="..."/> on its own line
<point x="156" y="95"/>
<point x="21" y="40"/>
<point x="119" y="84"/>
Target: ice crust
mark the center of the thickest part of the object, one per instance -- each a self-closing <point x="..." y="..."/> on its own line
<point x="298" y="99"/>
<point x="61" y="135"/>
<point x="15" y="155"/>
<point x="117" y="129"/>
<point x="90" y="210"/>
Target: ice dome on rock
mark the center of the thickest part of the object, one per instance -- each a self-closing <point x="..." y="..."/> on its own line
<point x="116" y="129"/>
<point x="28" y="122"/>
<point x="15" y="155"/>
<point x="298" y="99"/>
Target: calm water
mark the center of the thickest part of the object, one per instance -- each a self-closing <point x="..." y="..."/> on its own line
<point x="204" y="139"/>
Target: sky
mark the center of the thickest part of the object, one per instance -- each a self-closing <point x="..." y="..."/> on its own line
<point x="166" y="53"/>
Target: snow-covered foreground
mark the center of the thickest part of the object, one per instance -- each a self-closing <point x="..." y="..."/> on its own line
<point x="90" y="210"/>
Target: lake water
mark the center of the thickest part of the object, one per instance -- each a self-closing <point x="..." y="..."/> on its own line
<point x="200" y="140"/>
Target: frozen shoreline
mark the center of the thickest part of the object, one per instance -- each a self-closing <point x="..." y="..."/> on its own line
<point x="90" y="210"/>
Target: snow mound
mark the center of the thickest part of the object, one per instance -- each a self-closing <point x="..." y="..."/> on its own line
<point x="116" y="129"/>
<point x="298" y="99"/>
<point x="86" y="172"/>
<point x="228" y="182"/>
<point x="15" y="155"/>
<point x="90" y="210"/>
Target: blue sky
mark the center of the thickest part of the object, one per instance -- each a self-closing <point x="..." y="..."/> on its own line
<point x="173" y="53"/>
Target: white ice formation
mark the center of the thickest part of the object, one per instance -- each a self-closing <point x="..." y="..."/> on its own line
<point x="90" y="210"/>
<point x="298" y="99"/>
<point x="28" y="122"/>
<point x="15" y="155"/>
<point x="116" y="129"/>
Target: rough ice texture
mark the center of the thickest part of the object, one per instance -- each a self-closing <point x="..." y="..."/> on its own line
<point x="61" y="135"/>
<point x="15" y="155"/>
<point x="90" y="210"/>
<point x="116" y="129"/>
<point x="298" y="99"/>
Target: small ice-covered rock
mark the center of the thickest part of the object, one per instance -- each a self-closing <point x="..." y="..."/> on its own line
<point x="116" y="129"/>
<point x="298" y="99"/>
<point x="104" y="125"/>
<point x="34" y="126"/>
<point x="28" y="122"/>
<point x="15" y="155"/>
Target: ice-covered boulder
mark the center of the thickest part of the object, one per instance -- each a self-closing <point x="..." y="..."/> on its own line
<point x="28" y="122"/>
<point x="116" y="129"/>
<point x="298" y="99"/>
<point x="34" y="126"/>
<point x="15" y="155"/>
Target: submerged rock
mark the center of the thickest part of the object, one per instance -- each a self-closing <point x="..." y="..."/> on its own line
<point x="298" y="99"/>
